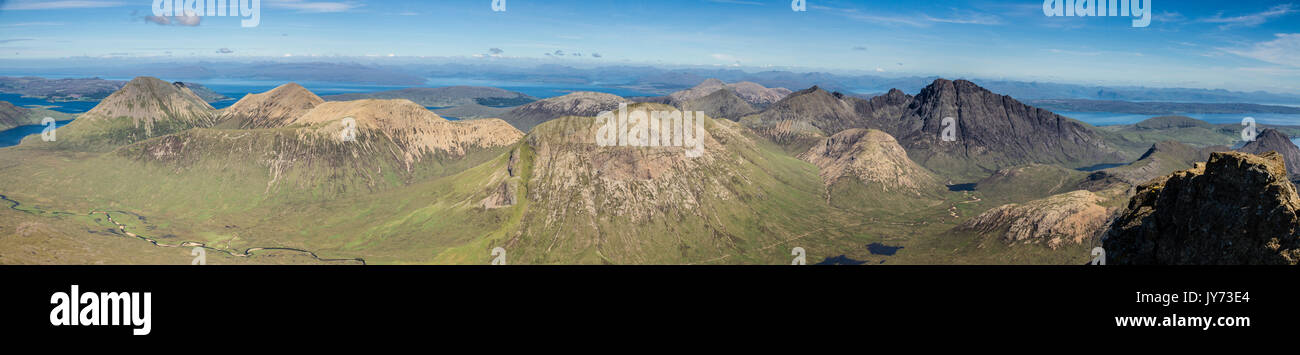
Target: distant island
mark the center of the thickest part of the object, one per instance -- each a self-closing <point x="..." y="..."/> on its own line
<point x="81" y="89"/>
<point x="1159" y="108"/>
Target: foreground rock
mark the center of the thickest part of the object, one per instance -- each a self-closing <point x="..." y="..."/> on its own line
<point x="1271" y="140"/>
<point x="1235" y="209"/>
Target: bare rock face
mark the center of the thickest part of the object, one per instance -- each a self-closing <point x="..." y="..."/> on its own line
<point x="750" y="92"/>
<point x="583" y="104"/>
<point x="1069" y="218"/>
<point x="874" y="158"/>
<point x="414" y="129"/>
<point x="271" y="109"/>
<point x="723" y="103"/>
<point x="991" y="131"/>
<point x="1271" y="140"/>
<point x="1235" y="209"/>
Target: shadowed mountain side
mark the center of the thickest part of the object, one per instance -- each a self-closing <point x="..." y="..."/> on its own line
<point x="1271" y="140"/>
<point x="1161" y="159"/>
<point x="990" y="131"/>
<point x="1235" y="209"/>
<point x="721" y="104"/>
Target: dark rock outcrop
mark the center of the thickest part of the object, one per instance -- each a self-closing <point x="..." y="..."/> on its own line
<point x="1271" y="140"/>
<point x="1235" y="209"/>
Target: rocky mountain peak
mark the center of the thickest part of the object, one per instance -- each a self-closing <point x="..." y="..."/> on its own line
<point x="1237" y="208"/>
<point x="273" y="108"/>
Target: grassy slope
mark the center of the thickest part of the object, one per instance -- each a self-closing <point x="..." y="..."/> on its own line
<point x="435" y="216"/>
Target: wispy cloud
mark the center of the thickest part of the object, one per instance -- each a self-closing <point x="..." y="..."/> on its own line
<point x="855" y="14"/>
<point x="314" y="6"/>
<point x="32" y="24"/>
<point x="56" y="5"/>
<point x="11" y="40"/>
<point x="1283" y="50"/>
<point x="966" y="18"/>
<point x="1250" y="20"/>
<point x="737" y="2"/>
<point x="1073" y="53"/>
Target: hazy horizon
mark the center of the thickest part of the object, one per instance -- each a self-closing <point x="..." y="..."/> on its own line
<point x="1190" y="44"/>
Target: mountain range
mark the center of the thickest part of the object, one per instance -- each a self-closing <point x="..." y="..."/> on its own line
<point x="286" y="176"/>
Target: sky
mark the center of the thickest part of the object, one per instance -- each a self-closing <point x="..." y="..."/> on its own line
<point x="1244" y="45"/>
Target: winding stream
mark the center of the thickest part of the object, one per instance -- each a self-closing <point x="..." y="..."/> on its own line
<point x="122" y="228"/>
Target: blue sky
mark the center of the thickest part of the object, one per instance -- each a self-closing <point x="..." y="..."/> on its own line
<point x="1236" y="45"/>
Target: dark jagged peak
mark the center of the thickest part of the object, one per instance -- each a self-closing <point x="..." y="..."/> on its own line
<point x="992" y="131"/>
<point x="1237" y="208"/>
<point x="270" y="109"/>
<point x="582" y="103"/>
<point x="202" y="92"/>
<point x="1273" y="140"/>
<point x="1161" y="159"/>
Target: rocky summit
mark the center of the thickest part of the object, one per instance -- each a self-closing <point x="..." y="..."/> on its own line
<point x="1236" y="209"/>
<point x="1271" y="140"/>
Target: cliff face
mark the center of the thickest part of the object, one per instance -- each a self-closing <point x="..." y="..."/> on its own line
<point x="1235" y="209"/>
<point x="1069" y="218"/>
<point x="991" y="131"/>
<point x="1271" y="140"/>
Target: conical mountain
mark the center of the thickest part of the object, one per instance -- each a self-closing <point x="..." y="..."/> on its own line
<point x="144" y="108"/>
<point x="270" y="109"/>
<point x="1270" y="140"/>
<point x="582" y="103"/>
<point x="871" y="160"/>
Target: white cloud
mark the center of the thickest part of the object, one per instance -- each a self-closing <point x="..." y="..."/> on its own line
<point x="1251" y="20"/>
<point x="313" y="6"/>
<point x="966" y="18"/>
<point x="1284" y="50"/>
